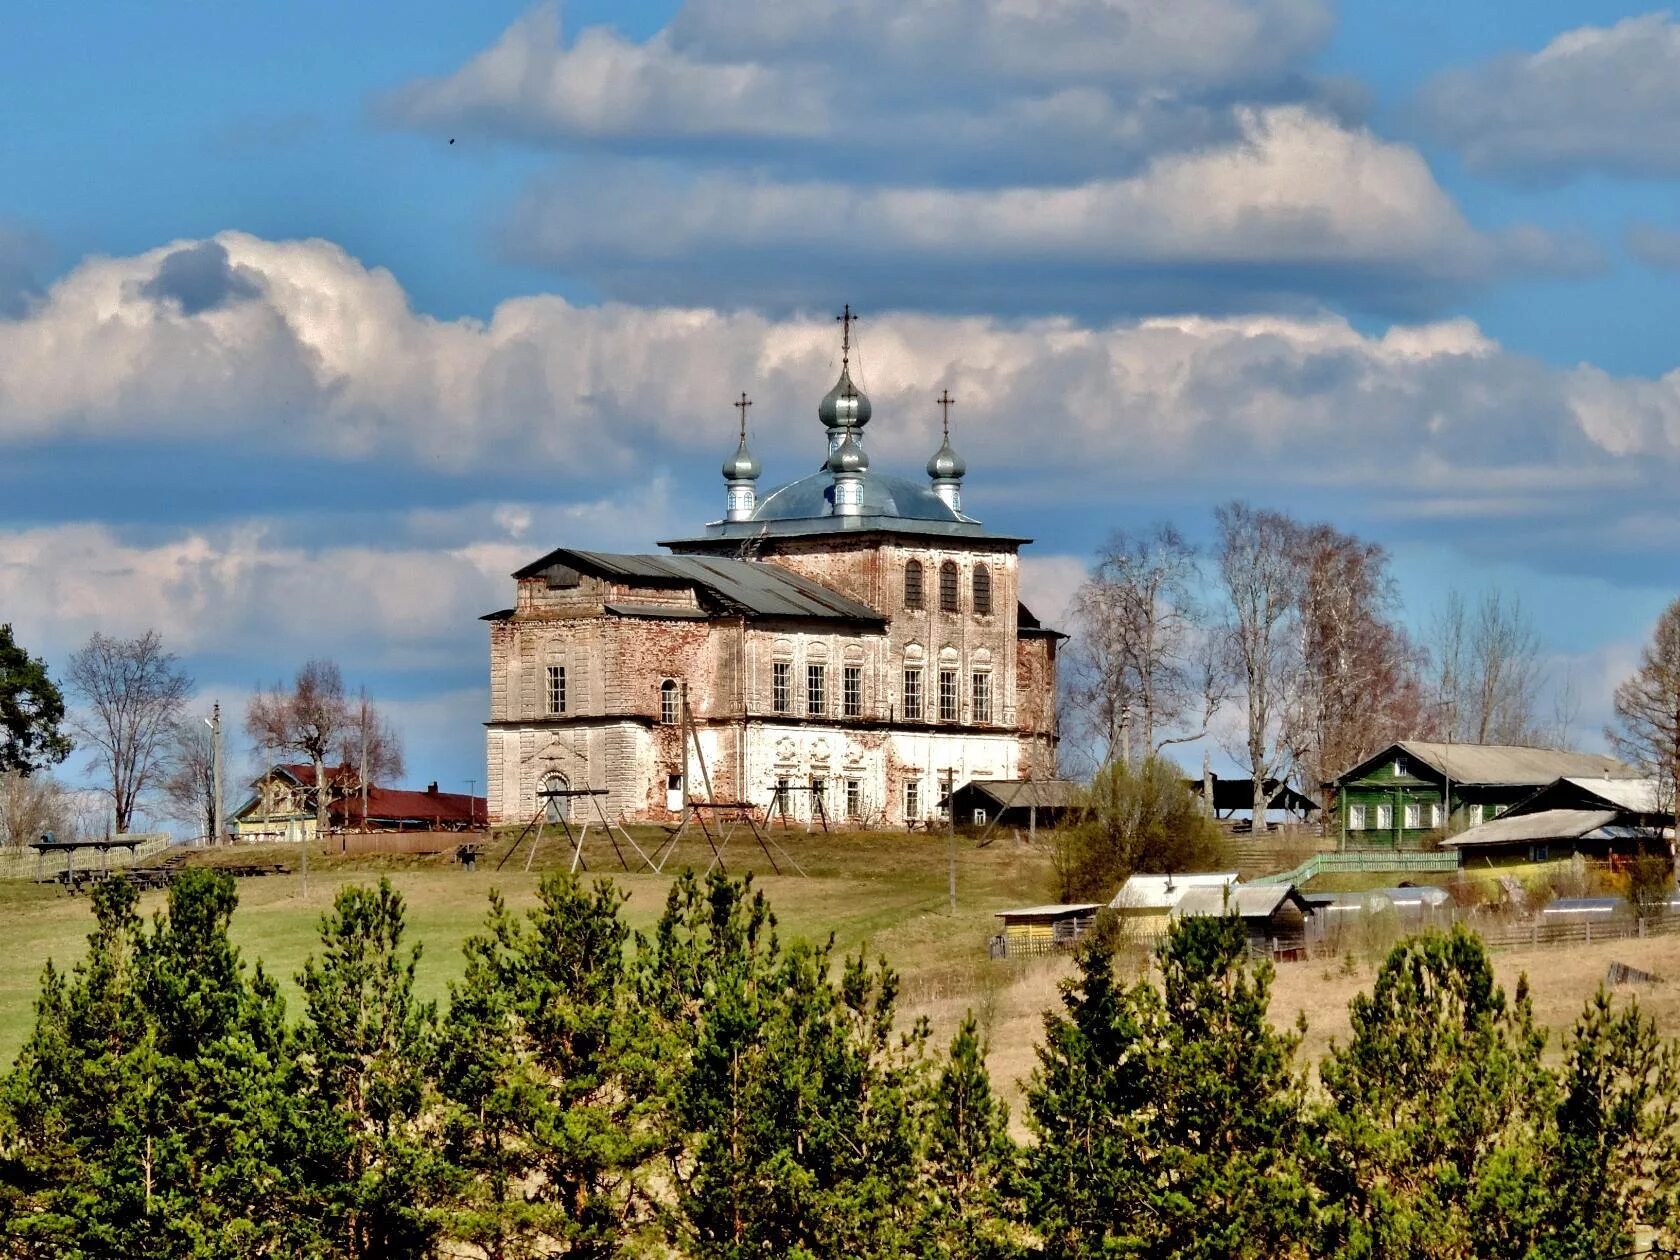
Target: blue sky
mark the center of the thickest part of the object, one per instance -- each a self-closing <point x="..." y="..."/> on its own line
<point x="269" y="343"/>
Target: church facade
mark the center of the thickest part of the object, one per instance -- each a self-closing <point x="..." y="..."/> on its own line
<point x="851" y="643"/>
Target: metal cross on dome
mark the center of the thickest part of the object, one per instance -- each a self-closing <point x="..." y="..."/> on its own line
<point x="945" y="402"/>
<point x="846" y="320"/>
<point x="742" y="406"/>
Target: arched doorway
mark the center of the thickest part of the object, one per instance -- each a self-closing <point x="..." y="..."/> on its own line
<point x="554" y="807"/>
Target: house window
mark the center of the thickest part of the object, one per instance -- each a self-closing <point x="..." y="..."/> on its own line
<point x="1435" y="814"/>
<point x="1399" y="767"/>
<point x="854" y="798"/>
<point x="982" y="688"/>
<point x="913" y="584"/>
<point x="1385" y="817"/>
<point x="816" y="687"/>
<point x="1356" y="818"/>
<point x="668" y="702"/>
<point x="1475" y="814"/>
<point x="979" y="818"/>
<point x="912" y="800"/>
<point x="781" y="686"/>
<point x="948" y="695"/>
<point x="1414" y="817"/>
<point x="912" y="694"/>
<point x="982" y="590"/>
<point x="556" y="688"/>
<point x="851" y="691"/>
<point x="948" y="581"/>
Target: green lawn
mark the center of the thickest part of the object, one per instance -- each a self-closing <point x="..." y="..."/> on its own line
<point x="884" y="890"/>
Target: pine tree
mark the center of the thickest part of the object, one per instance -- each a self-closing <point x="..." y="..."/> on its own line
<point x="968" y="1187"/>
<point x="1429" y="1137"/>
<point x="368" y="1176"/>
<point x="546" y="1081"/>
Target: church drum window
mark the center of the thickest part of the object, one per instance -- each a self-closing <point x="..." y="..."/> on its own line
<point x="912" y="694"/>
<point x="816" y="690"/>
<point x="556" y="688"/>
<point x="851" y="691"/>
<point x="982" y="697"/>
<point x="668" y="702"/>
<point x="948" y="696"/>
<point x="982" y="590"/>
<point x="781" y="686"/>
<point x="949" y="581"/>
<point x="913" y="584"/>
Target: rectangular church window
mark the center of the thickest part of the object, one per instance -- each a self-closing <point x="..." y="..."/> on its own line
<point x="851" y="693"/>
<point x="781" y="686"/>
<point x="948" y="696"/>
<point x="816" y="690"/>
<point x="556" y="688"/>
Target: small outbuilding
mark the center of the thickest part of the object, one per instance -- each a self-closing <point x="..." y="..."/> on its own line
<point x="1277" y="918"/>
<point x="1033" y="930"/>
<point x="1146" y="902"/>
<point x="1028" y="803"/>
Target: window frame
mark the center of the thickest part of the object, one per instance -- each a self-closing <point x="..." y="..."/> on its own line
<point x="556" y="690"/>
<point x="854" y="798"/>
<point x="913" y="701"/>
<point x="950" y="587"/>
<point x="781" y="687"/>
<point x="981" y="593"/>
<point x="952" y="711"/>
<point x="980" y="697"/>
<point x="851" y="691"/>
<point x="1385" y="817"/>
<point x="669" y="708"/>
<point x="1356" y="817"/>
<point x="915" y="585"/>
<point x="912" y="800"/>
<point x="1413" y="815"/>
<point x="816" y="689"/>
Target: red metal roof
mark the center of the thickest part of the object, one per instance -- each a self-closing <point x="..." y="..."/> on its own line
<point x="397" y="805"/>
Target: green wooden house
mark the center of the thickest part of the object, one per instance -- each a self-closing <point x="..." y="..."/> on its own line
<point x="1413" y="793"/>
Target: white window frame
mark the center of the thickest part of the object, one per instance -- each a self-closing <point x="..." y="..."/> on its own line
<point x="950" y="699"/>
<point x="816" y="689"/>
<point x="1356" y="818"/>
<point x="912" y="800"/>
<point x="1435" y="815"/>
<point x="781" y="686"/>
<point x="556" y="689"/>
<point x="1385" y="818"/>
<point x="913" y="700"/>
<point x="980" y="687"/>
<point x="1414" y="816"/>
<point x="854" y="798"/>
<point x="851" y="691"/>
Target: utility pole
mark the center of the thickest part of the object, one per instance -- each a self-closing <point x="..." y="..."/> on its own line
<point x="363" y="776"/>
<point x="217" y="824"/>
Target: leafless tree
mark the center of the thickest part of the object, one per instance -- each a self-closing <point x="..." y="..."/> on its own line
<point x="1647" y="729"/>
<point x="131" y="692"/>
<point x="30" y="805"/>
<point x="1488" y="673"/>
<point x="1145" y="647"/>
<point x="189" y="781"/>
<point x="309" y="718"/>
<point x="370" y="751"/>
<point x="1259" y="568"/>
<point x="1360" y="670"/>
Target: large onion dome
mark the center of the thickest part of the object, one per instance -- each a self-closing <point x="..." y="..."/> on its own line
<point x="845" y="406"/>
<point x="946" y="464"/>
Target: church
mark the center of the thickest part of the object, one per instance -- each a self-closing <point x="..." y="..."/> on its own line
<point x="849" y="645"/>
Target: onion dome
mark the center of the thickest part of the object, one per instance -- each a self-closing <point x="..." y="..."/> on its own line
<point x="845" y="406"/>
<point x="848" y="457"/>
<point x="741" y="466"/>
<point x="946" y="464"/>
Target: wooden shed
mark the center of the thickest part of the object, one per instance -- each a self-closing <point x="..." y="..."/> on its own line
<point x="1028" y="803"/>
<point x="1033" y="930"/>
<point x="1277" y="918"/>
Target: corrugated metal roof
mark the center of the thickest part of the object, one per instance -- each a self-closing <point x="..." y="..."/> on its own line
<point x="1162" y="892"/>
<point x="674" y="612"/>
<point x="755" y="587"/>
<point x="1057" y="911"/>
<point x="1511" y="764"/>
<point x="1250" y="901"/>
<point x="1027" y="793"/>
<point x="1548" y="824"/>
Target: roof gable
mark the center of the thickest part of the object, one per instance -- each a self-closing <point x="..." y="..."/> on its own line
<point x="1494" y="765"/>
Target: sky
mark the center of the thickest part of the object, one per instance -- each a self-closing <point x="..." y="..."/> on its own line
<point x="317" y="321"/>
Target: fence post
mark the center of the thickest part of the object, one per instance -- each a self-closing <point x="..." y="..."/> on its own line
<point x="1589" y="931"/>
<point x="1641" y="923"/>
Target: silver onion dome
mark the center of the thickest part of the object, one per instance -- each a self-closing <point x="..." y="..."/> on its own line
<point x="741" y="466"/>
<point x="946" y="464"/>
<point x="844" y="406"/>
<point x="848" y="457"/>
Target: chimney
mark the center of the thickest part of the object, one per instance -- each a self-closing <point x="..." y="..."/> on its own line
<point x="431" y="788"/>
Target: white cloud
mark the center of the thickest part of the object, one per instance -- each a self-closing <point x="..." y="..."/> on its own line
<point x="317" y="353"/>
<point x="1048" y="583"/>
<point x="1597" y="98"/>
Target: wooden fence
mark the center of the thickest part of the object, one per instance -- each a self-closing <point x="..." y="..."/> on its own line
<point x="24" y="863"/>
<point x="1379" y="861"/>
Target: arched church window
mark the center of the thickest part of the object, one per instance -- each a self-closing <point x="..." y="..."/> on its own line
<point x="982" y="590"/>
<point x="668" y="702"/>
<point x="948" y="583"/>
<point x="913" y="584"/>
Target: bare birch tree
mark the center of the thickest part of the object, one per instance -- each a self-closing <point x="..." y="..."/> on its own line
<point x="30" y="804"/>
<point x="189" y="781"/>
<point x="1487" y="671"/>
<point x="131" y="692"/>
<point x="1259" y="566"/>
<point x="1145" y="641"/>
<point x="1647" y="729"/>
<point x="309" y="718"/>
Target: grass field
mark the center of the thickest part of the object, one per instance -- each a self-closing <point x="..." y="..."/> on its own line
<point x="884" y="891"/>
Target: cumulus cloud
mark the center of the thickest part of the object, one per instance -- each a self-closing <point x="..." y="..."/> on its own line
<point x="327" y="356"/>
<point x="199" y="278"/>
<point x="940" y="78"/>
<point x="1597" y="98"/>
<point x="1297" y="202"/>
